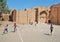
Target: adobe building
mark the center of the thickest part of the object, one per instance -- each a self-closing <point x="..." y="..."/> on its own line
<point x="12" y="16"/>
<point x="55" y="14"/>
<point x="37" y="14"/>
<point x="43" y="14"/>
<point x="28" y="16"/>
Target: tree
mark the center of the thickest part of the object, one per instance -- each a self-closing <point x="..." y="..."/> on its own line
<point x="3" y="6"/>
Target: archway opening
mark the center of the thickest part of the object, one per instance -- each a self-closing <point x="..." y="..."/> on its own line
<point x="12" y="17"/>
<point x="43" y="17"/>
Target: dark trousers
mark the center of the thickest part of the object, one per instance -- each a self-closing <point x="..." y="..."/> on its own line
<point x="5" y="30"/>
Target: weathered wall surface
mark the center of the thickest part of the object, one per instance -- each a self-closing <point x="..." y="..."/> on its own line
<point x="43" y="17"/>
<point x="29" y="16"/>
<point x="55" y="14"/>
<point x="6" y="17"/>
<point x="25" y="17"/>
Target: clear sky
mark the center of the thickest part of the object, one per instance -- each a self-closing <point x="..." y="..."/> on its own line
<point x="22" y="4"/>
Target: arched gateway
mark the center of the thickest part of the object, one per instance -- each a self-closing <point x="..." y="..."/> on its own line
<point x="43" y="17"/>
<point x="12" y="17"/>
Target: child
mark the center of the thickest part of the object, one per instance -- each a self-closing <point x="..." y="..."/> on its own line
<point x="51" y="29"/>
<point x="15" y="27"/>
<point x="6" y="29"/>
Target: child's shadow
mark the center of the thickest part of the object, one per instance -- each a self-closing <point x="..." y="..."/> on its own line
<point x="47" y="34"/>
<point x="11" y="31"/>
<point x="3" y="33"/>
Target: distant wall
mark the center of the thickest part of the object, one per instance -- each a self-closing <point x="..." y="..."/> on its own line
<point x="28" y="16"/>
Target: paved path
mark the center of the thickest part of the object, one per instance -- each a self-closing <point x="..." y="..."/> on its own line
<point x="31" y="33"/>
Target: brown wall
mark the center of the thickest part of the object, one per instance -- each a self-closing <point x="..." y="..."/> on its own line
<point x="55" y="14"/>
<point x="6" y="17"/>
<point x="25" y="17"/>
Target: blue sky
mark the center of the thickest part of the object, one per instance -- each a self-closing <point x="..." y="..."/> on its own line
<point x="22" y="4"/>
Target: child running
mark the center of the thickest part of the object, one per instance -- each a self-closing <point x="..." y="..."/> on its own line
<point x="51" y="29"/>
<point x="6" y="29"/>
<point x="15" y="27"/>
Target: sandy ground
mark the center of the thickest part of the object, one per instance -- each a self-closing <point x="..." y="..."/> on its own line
<point x="30" y="33"/>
